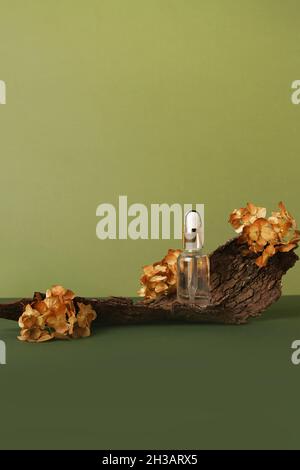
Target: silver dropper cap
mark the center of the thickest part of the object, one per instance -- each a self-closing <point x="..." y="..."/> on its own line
<point x="192" y="231"/>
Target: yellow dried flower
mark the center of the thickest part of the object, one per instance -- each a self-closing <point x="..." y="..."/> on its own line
<point x="264" y="235"/>
<point x="85" y="317"/>
<point x="246" y="216"/>
<point x="60" y="292"/>
<point x="258" y="235"/>
<point x="55" y="317"/>
<point x="160" y="278"/>
<point x="32" y="326"/>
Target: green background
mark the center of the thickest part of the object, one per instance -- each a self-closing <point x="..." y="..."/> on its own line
<point x="164" y="101"/>
<point x="156" y="387"/>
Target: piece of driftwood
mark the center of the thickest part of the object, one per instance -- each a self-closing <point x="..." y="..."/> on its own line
<point x="239" y="290"/>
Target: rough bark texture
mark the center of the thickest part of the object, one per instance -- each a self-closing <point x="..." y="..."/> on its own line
<point x="239" y="290"/>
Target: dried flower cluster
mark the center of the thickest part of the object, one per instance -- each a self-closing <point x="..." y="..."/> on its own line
<point x="264" y="235"/>
<point x="56" y="316"/>
<point x="160" y="278"/>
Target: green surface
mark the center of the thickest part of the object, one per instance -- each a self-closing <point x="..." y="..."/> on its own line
<point x="159" y="386"/>
<point x="161" y="100"/>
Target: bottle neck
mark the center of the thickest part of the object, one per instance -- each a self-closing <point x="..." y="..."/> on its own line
<point x="192" y="242"/>
<point x="193" y="250"/>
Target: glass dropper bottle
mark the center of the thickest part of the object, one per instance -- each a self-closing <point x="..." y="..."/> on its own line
<point x="193" y="266"/>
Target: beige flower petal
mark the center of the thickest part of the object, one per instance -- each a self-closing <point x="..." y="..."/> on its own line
<point x="40" y="306"/>
<point x="288" y="247"/>
<point x="60" y="335"/>
<point x="261" y="261"/>
<point x="81" y="332"/>
<point x="142" y="291"/>
<point x="161" y="287"/>
<point x="157" y="278"/>
<point x="270" y="250"/>
<point x="45" y="336"/>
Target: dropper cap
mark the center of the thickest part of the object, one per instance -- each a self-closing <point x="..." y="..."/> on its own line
<point x="192" y="231"/>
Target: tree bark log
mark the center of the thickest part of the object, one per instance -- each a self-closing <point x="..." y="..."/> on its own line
<point x="239" y="290"/>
